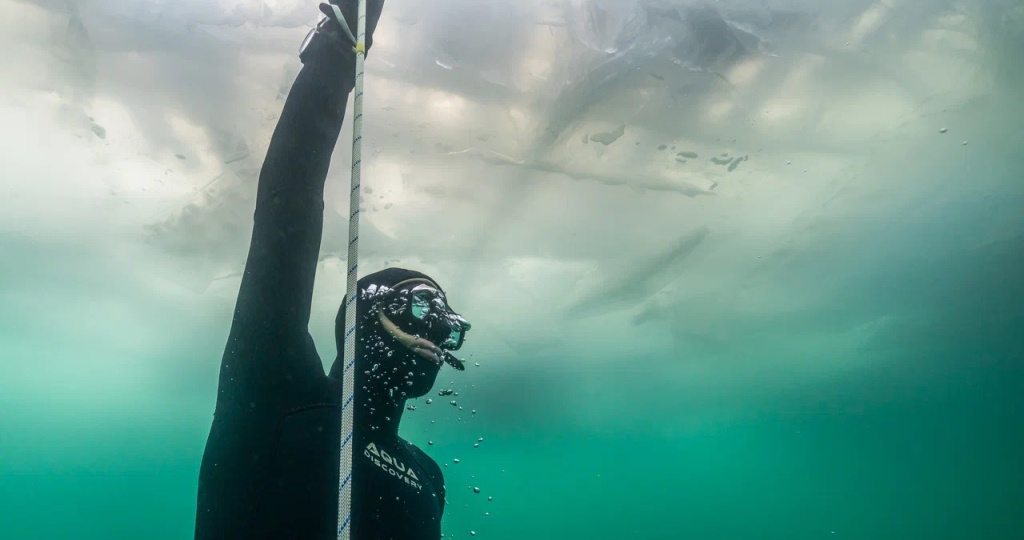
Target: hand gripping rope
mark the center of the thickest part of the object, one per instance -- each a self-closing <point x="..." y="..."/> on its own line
<point x="349" y="354"/>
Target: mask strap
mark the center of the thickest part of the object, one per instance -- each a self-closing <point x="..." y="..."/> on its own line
<point x="426" y="281"/>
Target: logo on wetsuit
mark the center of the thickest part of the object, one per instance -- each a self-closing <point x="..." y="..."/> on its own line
<point x="392" y="466"/>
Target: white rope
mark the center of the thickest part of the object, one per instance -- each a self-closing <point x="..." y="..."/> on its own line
<point x="348" y="357"/>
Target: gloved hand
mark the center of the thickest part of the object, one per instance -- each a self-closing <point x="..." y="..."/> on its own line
<point x="330" y="40"/>
<point x="350" y="10"/>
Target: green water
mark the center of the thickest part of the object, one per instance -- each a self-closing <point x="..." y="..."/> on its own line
<point x="826" y="343"/>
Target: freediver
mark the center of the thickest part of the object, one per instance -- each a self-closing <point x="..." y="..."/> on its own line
<point x="271" y="464"/>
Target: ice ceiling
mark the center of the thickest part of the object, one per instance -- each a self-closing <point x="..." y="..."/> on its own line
<point x="588" y="178"/>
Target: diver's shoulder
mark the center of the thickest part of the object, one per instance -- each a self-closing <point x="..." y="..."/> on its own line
<point x="426" y="462"/>
<point x="418" y="452"/>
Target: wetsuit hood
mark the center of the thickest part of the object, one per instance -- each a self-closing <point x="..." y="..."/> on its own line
<point x="388" y="277"/>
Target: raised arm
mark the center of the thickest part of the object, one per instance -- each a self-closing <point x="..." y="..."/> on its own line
<point x="269" y="340"/>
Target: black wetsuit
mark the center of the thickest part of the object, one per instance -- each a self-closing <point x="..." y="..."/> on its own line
<point x="270" y="469"/>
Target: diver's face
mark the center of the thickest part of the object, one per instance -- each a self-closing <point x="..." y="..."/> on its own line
<point x="405" y="365"/>
<point x="423" y="347"/>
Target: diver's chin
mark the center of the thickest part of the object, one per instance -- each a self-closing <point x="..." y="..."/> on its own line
<point x="421" y="387"/>
<point x="416" y="393"/>
<point x="422" y="384"/>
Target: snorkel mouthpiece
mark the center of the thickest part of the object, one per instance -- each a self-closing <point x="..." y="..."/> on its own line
<point x="450" y="359"/>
